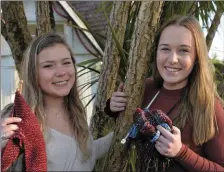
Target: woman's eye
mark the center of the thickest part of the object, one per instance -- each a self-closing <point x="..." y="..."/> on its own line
<point x="48" y="66"/>
<point x="165" y="49"/>
<point x="66" y="63"/>
<point x="184" y="50"/>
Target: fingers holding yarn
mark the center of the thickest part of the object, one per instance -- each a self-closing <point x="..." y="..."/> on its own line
<point x="161" y="117"/>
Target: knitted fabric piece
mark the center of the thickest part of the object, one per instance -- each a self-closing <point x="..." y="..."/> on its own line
<point x="146" y="122"/>
<point x="28" y="139"/>
<point x="149" y="158"/>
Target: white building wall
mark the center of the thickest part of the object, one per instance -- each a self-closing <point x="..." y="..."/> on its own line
<point x="9" y="75"/>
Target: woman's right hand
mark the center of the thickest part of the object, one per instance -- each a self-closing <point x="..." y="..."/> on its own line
<point x="8" y="127"/>
<point x="118" y="100"/>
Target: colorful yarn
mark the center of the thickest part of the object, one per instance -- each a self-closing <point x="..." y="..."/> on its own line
<point x="145" y="122"/>
<point x="155" y="137"/>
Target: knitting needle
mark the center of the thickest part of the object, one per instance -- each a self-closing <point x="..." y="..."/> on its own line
<point x="123" y="141"/>
<point x="152" y="100"/>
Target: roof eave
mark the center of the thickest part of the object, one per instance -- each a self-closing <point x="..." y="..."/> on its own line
<point x="80" y="23"/>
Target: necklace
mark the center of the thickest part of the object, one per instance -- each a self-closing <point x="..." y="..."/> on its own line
<point x="57" y="114"/>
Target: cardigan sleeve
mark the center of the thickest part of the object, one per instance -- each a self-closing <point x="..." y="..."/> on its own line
<point x="213" y="149"/>
<point x="102" y="145"/>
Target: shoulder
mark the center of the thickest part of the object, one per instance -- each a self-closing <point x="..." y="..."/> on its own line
<point x="6" y="111"/>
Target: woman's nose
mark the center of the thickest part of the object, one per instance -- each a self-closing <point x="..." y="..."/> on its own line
<point x="60" y="71"/>
<point x="173" y="58"/>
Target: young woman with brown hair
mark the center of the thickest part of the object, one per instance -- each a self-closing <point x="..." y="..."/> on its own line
<point x="188" y="95"/>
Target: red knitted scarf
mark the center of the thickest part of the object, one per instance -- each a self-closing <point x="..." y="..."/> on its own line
<point x="28" y="139"/>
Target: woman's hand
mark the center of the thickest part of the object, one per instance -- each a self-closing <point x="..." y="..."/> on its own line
<point x="118" y="100"/>
<point x="168" y="144"/>
<point x="8" y="127"/>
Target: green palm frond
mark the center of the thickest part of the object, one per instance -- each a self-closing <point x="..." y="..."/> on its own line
<point x="93" y="97"/>
<point x="119" y="46"/>
<point x="87" y="65"/>
<point x="86" y="62"/>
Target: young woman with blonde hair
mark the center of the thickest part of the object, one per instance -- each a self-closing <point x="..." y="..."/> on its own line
<point x="184" y="76"/>
<point x="50" y="89"/>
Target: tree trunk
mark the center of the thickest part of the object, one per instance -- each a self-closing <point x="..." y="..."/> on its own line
<point x="147" y="22"/>
<point x="101" y="123"/>
<point x="14" y="29"/>
<point x="44" y="17"/>
<point x="110" y="67"/>
<point x="219" y="75"/>
<point x="213" y="28"/>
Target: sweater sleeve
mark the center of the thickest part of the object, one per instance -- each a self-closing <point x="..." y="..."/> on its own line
<point x="149" y="86"/>
<point x="109" y="112"/>
<point x="213" y="149"/>
<point x="102" y="145"/>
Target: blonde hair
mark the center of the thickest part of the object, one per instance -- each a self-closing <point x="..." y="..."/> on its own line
<point x="199" y="106"/>
<point x="34" y="97"/>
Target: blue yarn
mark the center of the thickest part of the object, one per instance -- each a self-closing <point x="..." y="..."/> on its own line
<point x="155" y="137"/>
<point x="146" y="110"/>
<point x="166" y="126"/>
<point x="133" y="131"/>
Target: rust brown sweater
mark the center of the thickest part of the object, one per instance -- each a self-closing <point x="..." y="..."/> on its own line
<point x="191" y="157"/>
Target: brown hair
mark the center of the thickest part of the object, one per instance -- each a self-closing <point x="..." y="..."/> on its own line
<point x="34" y="96"/>
<point x="199" y="106"/>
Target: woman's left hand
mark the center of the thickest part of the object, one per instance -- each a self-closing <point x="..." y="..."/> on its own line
<point x="168" y="144"/>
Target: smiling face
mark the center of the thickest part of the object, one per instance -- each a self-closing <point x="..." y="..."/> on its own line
<point x="56" y="71"/>
<point x="176" y="56"/>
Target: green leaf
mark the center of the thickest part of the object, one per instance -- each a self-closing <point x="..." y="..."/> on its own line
<point x="86" y="62"/>
<point x="90" y="100"/>
<point x="91" y="69"/>
<point x="133" y="157"/>
<point x="119" y="47"/>
<point x="220" y="5"/>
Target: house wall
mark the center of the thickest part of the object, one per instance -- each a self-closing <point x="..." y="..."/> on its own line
<point x="9" y="77"/>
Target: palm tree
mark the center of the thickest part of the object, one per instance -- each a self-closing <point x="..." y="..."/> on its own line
<point x="111" y="61"/>
<point x="145" y="26"/>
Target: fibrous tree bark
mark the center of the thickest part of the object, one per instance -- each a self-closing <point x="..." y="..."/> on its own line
<point x="44" y="17"/>
<point x="14" y="29"/>
<point x="147" y="22"/>
<point x="110" y="67"/>
<point x="213" y="28"/>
